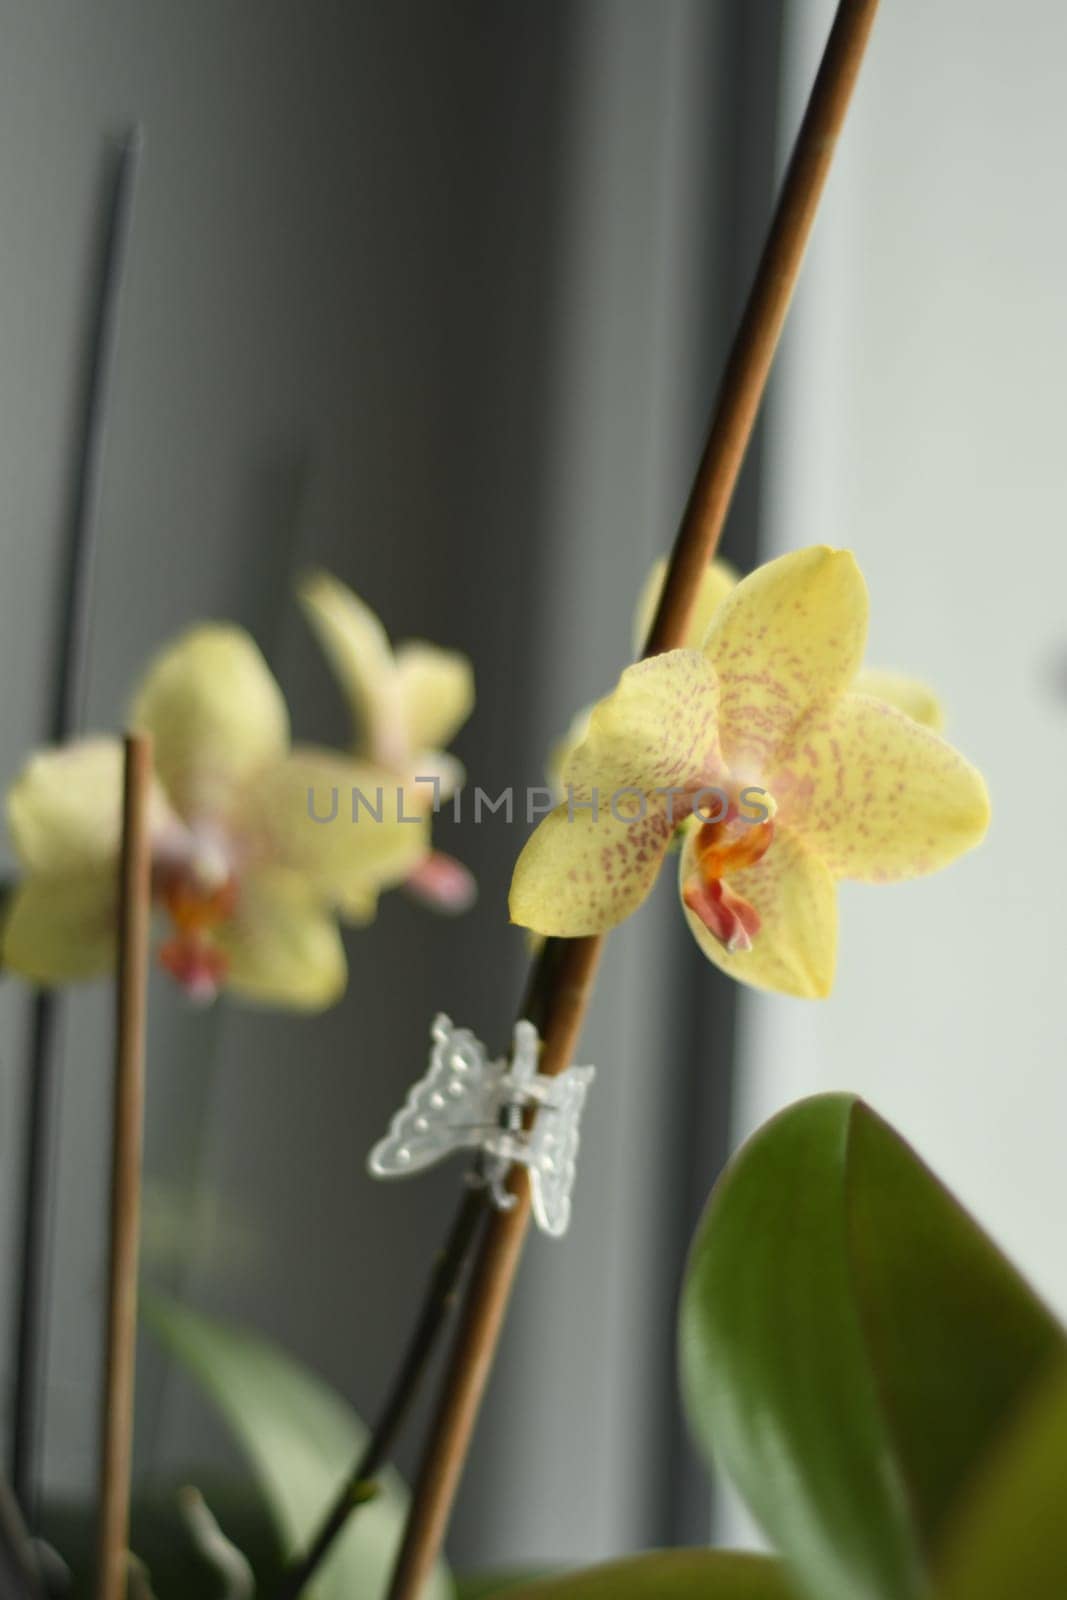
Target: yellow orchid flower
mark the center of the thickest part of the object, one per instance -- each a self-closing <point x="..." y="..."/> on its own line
<point x="245" y="876"/>
<point x="406" y="706"/>
<point x="719" y="581"/>
<point x="782" y="776"/>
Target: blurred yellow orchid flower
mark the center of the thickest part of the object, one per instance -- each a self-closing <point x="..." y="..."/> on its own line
<point x="809" y="781"/>
<point x="245" y="875"/>
<point x="406" y="706"/>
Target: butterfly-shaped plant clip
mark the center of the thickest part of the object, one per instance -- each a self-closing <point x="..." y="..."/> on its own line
<point x="507" y="1110"/>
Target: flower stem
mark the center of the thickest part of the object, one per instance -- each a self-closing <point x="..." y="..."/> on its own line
<point x="116" y="1448"/>
<point x="443" y="1289"/>
<point x="566" y="969"/>
<point x="562" y="979"/>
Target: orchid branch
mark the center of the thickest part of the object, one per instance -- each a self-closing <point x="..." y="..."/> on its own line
<point x="562" y="979"/>
<point x="566" y="969"/>
<point x="116" y="1444"/>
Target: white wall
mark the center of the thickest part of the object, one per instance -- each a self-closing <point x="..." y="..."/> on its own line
<point x="919" y="418"/>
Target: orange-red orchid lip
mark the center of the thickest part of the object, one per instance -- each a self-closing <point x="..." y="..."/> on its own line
<point x="194" y="909"/>
<point x="197" y="964"/>
<point x="721" y="848"/>
<point x="729" y="845"/>
<point x="191" y="955"/>
<point x="727" y="916"/>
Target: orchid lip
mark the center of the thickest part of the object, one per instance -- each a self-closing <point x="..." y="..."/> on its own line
<point x="731" y="843"/>
<point x="197" y="965"/>
<point x="728" y="917"/>
<point x="719" y="848"/>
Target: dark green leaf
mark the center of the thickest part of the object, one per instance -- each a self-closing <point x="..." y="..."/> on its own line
<point x="852" y="1347"/>
<point x="485" y="1586"/>
<point x="668" y="1575"/>
<point x="1011" y="1536"/>
<point x="301" y="1441"/>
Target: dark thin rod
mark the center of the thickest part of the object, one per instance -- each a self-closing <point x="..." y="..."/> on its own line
<point x="68" y="703"/>
<point x="441" y="1298"/>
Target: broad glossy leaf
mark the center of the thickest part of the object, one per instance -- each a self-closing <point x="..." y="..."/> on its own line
<point x="668" y="1575"/>
<point x="487" y="1585"/>
<point x="301" y="1441"/>
<point x="1011" y="1536"/>
<point x="852" y="1347"/>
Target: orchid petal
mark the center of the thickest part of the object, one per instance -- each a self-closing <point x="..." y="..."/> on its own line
<point x="282" y="944"/>
<point x="879" y="797"/>
<point x="656" y="730"/>
<point x="337" y="822"/>
<point x="787" y="639"/>
<point x="442" y="883"/>
<point x="357" y="907"/>
<point x="718" y="581"/>
<point x="578" y="874"/>
<point x="216" y="714"/>
<point x="562" y="751"/>
<point x="60" y="928"/>
<point x="65" y="808"/>
<point x="794" y="897"/>
<point x="649" y="743"/>
<point x="436" y="693"/>
<point x="909" y="695"/>
<point x="435" y="879"/>
<point x="357" y="903"/>
<point x="358" y="649"/>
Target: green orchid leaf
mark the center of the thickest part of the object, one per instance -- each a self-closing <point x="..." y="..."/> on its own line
<point x="852" y="1347"/>
<point x="301" y="1441"/>
<point x="668" y="1575"/>
<point x="1011" y="1535"/>
<point x="486" y="1586"/>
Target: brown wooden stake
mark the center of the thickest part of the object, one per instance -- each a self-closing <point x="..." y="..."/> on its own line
<point x="563" y="981"/>
<point x="116" y="1448"/>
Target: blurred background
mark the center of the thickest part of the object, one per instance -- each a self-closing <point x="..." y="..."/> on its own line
<point x="436" y="296"/>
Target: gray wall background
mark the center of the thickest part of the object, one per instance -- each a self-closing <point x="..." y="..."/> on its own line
<point x="433" y="295"/>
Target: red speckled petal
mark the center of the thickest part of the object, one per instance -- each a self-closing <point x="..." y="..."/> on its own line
<point x="879" y="797"/>
<point x="789" y="638"/>
<point x="657" y="729"/>
<point x="580" y="875"/>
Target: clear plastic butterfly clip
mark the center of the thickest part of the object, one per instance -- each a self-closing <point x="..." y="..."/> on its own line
<point x="468" y="1102"/>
